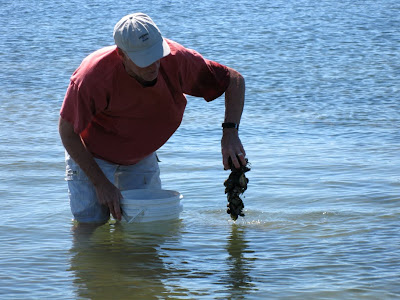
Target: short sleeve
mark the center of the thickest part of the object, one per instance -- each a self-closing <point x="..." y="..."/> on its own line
<point x="201" y="77"/>
<point x="78" y="107"/>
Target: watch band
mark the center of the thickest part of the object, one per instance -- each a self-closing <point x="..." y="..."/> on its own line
<point x="230" y="125"/>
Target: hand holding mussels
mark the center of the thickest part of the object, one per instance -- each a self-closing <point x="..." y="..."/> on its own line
<point x="235" y="185"/>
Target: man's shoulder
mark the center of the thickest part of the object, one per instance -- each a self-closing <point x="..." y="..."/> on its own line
<point x="99" y="65"/>
<point x="100" y="54"/>
<point x="174" y="46"/>
<point x="181" y="54"/>
<point x="178" y="49"/>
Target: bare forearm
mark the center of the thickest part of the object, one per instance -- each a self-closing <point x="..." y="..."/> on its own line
<point x="76" y="149"/>
<point x="234" y="97"/>
<point x="107" y="193"/>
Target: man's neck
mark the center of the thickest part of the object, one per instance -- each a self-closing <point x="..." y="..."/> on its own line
<point x="141" y="81"/>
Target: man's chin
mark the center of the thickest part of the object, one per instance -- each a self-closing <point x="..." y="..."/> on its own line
<point x="151" y="78"/>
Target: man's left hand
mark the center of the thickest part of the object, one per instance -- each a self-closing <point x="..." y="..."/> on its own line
<point x="232" y="147"/>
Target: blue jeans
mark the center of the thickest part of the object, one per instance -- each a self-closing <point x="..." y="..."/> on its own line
<point x="82" y="195"/>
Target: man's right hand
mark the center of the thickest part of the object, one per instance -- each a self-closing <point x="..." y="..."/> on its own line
<point x="110" y="196"/>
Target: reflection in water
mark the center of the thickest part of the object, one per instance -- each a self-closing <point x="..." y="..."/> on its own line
<point x="120" y="261"/>
<point x="238" y="281"/>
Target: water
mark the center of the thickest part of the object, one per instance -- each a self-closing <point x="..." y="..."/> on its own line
<point x="320" y="127"/>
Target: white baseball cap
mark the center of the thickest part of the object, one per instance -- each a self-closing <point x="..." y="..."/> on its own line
<point x="139" y="37"/>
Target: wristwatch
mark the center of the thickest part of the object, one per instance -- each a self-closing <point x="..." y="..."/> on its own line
<point x="230" y="125"/>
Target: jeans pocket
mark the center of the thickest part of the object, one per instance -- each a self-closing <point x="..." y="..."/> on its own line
<point x="73" y="171"/>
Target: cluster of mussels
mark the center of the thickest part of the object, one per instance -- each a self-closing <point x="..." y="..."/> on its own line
<point x="235" y="185"/>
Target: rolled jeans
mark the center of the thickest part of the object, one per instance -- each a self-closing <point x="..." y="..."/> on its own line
<point x="82" y="194"/>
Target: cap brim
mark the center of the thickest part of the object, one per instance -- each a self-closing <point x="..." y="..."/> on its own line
<point x="145" y="58"/>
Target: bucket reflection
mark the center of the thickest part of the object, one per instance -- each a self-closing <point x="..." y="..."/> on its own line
<point x="120" y="261"/>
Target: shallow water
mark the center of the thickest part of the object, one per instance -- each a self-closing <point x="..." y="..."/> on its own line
<point x="320" y="128"/>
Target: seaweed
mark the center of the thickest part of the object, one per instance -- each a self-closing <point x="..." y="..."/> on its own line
<point x="235" y="186"/>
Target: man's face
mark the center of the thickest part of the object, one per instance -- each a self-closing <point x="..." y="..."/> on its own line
<point x="146" y="74"/>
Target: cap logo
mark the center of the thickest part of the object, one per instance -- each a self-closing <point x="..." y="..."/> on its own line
<point x="144" y="37"/>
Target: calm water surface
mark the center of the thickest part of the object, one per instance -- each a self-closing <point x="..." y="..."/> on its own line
<point x="321" y="129"/>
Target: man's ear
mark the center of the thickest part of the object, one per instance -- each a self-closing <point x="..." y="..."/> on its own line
<point x="120" y="53"/>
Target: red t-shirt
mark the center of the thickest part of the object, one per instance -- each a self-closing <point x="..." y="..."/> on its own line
<point x="121" y="121"/>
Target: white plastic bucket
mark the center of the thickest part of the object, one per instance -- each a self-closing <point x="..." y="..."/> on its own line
<point x="147" y="205"/>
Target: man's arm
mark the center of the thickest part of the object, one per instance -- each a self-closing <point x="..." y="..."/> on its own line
<point x="107" y="193"/>
<point x="231" y="145"/>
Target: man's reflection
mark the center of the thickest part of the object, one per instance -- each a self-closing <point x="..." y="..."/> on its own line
<point x="120" y="261"/>
<point x="239" y="281"/>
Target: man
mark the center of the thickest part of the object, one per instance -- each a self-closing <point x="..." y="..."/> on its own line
<point x="124" y="102"/>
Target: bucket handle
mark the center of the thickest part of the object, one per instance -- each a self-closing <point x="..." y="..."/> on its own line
<point x="129" y="219"/>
